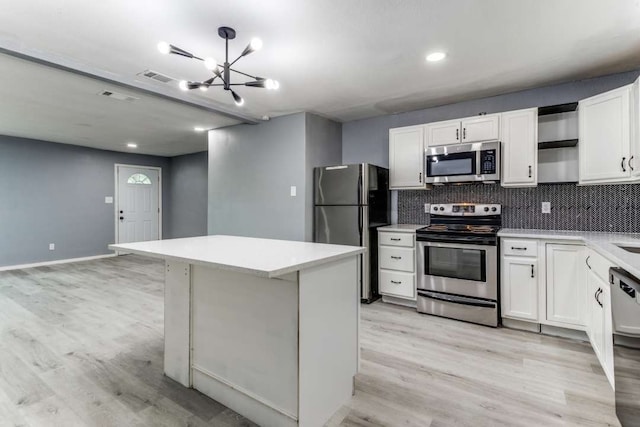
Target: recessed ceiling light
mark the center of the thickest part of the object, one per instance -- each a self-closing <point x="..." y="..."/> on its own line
<point x="199" y="129"/>
<point x="436" y="56"/>
<point x="132" y="145"/>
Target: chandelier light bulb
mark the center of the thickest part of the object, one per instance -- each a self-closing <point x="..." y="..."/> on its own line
<point x="256" y="44"/>
<point x="211" y="64"/>
<point x="183" y="85"/>
<point x="203" y="88"/>
<point x="164" y="48"/>
<point x="270" y="84"/>
<point x="238" y="99"/>
<point x="276" y="85"/>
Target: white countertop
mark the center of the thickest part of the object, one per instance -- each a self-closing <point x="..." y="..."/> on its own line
<point x="260" y="257"/>
<point x="603" y="243"/>
<point x="402" y="228"/>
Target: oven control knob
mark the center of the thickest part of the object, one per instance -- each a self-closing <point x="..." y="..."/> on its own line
<point x="441" y="208"/>
<point x="493" y="209"/>
<point x="486" y="209"/>
<point x="435" y="208"/>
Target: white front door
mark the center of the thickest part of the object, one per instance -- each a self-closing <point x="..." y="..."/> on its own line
<point x="138" y="204"/>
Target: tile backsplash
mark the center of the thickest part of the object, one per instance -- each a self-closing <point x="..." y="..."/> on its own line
<point x="613" y="208"/>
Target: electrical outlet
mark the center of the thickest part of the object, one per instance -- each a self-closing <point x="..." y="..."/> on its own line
<point x="427" y="207"/>
<point x="546" y="207"/>
<point x="52" y="246"/>
<point x="108" y="200"/>
<point x="294" y="191"/>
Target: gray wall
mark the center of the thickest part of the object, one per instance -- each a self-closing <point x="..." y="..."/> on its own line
<point x="187" y="186"/>
<point x="251" y="170"/>
<point x="323" y="148"/>
<point x="54" y="193"/>
<point x="367" y="140"/>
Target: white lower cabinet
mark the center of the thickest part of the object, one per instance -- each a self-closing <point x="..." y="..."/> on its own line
<point x="571" y="290"/>
<point x="599" y="321"/>
<point x="565" y="295"/>
<point x="397" y="284"/>
<point x="520" y="287"/>
<point x="397" y="264"/>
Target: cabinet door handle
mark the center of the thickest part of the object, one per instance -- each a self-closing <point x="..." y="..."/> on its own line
<point x="630" y="165"/>
<point x="464" y="133"/>
<point x="598" y="293"/>
<point x="457" y="134"/>
<point x="529" y="171"/>
<point x="518" y="248"/>
<point x="395" y="282"/>
<point x="622" y="164"/>
<point x="395" y="239"/>
<point x="532" y="271"/>
<point x="420" y="177"/>
<point x="586" y="261"/>
<point x="396" y="257"/>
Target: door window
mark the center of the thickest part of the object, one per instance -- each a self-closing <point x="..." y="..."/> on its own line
<point x="457" y="263"/>
<point x="139" y="178"/>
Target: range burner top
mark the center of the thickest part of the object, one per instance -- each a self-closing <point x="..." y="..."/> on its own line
<point x="462" y="221"/>
<point x="461" y="228"/>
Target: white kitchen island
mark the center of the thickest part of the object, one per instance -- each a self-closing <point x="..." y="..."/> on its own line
<point x="268" y="328"/>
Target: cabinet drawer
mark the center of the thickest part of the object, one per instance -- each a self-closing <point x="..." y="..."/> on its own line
<point x="401" y="259"/>
<point x="598" y="264"/>
<point x="396" y="239"/>
<point x="397" y="284"/>
<point x="517" y="247"/>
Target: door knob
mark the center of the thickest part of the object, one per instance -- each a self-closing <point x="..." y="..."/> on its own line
<point x="121" y="212"/>
<point x="121" y="218"/>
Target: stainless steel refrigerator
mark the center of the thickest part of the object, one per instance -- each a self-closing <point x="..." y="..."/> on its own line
<point x="351" y="201"/>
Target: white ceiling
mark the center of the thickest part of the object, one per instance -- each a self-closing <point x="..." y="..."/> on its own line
<point x="342" y="59"/>
<point x="40" y="102"/>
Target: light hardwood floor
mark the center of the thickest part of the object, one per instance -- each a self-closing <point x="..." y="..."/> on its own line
<point x="81" y="345"/>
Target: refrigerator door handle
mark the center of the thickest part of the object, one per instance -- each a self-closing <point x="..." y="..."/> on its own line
<point x="360" y="185"/>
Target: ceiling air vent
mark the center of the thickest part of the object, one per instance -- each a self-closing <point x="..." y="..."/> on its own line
<point x="118" y="96"/>
<point x="156" y="76"/>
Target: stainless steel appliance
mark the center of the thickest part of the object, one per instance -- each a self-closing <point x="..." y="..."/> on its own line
<point x="457" y="263"/>
<point x="351" y="201"/>
<point x="478" y="161"/>
<point x="625" y="310"/>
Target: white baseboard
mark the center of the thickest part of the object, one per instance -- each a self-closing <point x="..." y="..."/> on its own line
<point x="58" y="261"/>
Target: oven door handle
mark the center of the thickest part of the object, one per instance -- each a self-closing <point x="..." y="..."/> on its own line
<point x="462" y="245"/>
<point x="456" y="300"/>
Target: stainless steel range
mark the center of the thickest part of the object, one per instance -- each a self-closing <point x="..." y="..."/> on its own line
<point x="458" y="263"/>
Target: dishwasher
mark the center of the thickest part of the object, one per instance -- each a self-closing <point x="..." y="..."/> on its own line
<point x="625" y="309"/>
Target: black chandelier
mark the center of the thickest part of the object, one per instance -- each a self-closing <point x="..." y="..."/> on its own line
<point x="222" y="71"/>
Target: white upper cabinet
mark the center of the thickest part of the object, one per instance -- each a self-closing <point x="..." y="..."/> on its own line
<point x="472" y="129"/>
<point x="481" y="128"/>
<point x="443" y="133"/>
<point x="406" y="157"/>
<point x="520" y="148"/>
<point x="634" y="160"/>
<point x="605" y="137"/>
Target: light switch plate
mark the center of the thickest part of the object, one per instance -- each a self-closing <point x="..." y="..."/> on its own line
<point x="108" y="200"/>
<point x="52" y="246"/>
<point x="294" y="191"/>
<point x="427" y="207"/>
<point x="546" y="207"/>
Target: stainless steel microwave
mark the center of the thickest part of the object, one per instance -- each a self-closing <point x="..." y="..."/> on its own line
<point x="475" y="162"/>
